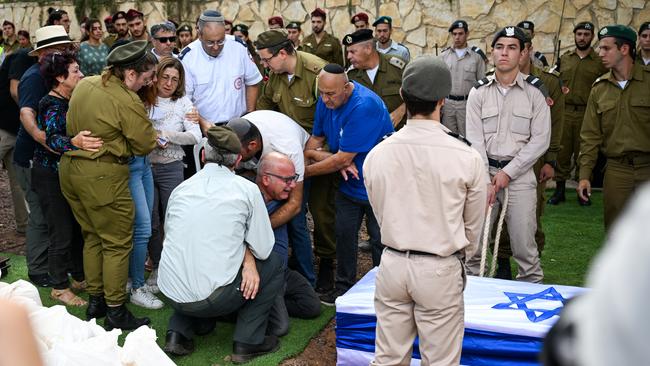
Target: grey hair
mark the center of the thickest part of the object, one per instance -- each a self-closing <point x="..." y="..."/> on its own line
<point x="166" y="26"/>
<point x="219" y="156"/>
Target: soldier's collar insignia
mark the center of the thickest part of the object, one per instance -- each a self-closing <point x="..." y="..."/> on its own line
<point x="510" y="31"/>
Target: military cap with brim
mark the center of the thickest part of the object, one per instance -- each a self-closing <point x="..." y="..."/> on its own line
<point x="584" y="25"/>
<point x="359" y="17"/>
<point x="223" y="137"/>
<point x="184" y="28"/>
<point x="360" y="35"/>
<point x="270" y="38"/>
<point x="527" y="24"/>
<point x="127" y="54"/>
<point x="644" y="27"/>
<point x="511" y="32"/>
<point x="318" y="12"/>
<point x="458" y="24"/>
<point x="49" y="36"/>
<point x="427" y="78"/>
<point x="384" y="19"/>
<point x="618" y="31"/>
<point x="293" y="25"/>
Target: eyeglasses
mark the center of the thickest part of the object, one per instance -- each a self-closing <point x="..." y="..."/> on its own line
<point x="171" y="39"/>
<point x="267" y="59"/>
<point x="287" y="180"/>
<point x="167" y="78"/>
<point x="220" y="42"/>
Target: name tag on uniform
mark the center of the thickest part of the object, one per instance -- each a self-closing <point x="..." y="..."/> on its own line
<point x="327" y="44"/>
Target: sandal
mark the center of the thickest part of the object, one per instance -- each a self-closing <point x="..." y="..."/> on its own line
<point x="78" y="286"/>
<point x="67" y="297"/>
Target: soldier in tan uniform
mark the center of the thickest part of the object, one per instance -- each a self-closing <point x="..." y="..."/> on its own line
<point x="96" y="183"/>
<point x="419" y="285"/>
<point x="293" y="33"/>
<point x="321" y="43"/>
<point x="643" y="53"/>
<point x="578" y="70"/>
<point x="379" y="73"/>
<point x="467" y="67"/>
<point x="537" y="58"/>
<point x="617" y="122"/>
<point x="509" y="124"/>
<point x="292" y="90"/>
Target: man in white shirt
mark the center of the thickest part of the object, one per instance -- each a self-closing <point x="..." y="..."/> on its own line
<point x="217" y="239"/>
<point x="220" y="76"/>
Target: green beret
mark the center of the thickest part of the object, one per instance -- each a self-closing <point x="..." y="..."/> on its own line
<point x="427" y="78"/>
<point x="293" y="25"/>
<point x="271" y="38"/>
<point x="127" y="54"/>
<point x="360" y="35"/>
<point x="385" y="19"/>
<point x="223" y="137"/>
<point x="618" y="31"/>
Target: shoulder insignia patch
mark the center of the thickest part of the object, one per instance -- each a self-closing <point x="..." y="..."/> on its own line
<point x="537" y="82"/>
<point x="480" y="53"/>
<point x="483" y="82"/>
<point x="406" y="48"/>
<point x="397" y="62"/>
<point x="184" y="52"/>
<point x="445" y="49"/>
<point x="540" y="56"/>
<point x="459" y="137"/>
<point x="241" y="41"/>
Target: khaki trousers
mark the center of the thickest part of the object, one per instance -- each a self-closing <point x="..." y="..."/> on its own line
<point x="99" y="195"/>
<point x="621" y="180"/>
<point x="321" y="205"/>
<point x="419" y="295"/>
<point x="7" y="143"/>
<point x="567" y="157"/>
<point x="453" y="115"/>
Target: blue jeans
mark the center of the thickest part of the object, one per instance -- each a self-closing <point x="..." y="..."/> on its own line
<point x="349" y="214"/>
<point x="141" y="186"/>
<point x="301" y="252"/>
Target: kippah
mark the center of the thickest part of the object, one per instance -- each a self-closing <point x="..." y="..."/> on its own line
<point x="334" y="69"/>
<point x="211" y="16"/>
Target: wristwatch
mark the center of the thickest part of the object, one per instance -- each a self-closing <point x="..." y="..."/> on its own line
<point x="552" y="163"/>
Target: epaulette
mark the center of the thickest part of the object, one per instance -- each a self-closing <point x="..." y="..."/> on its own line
<point x="483" y="82"/>
<point x="407" y="49"/>
<point x="480" y="53"/>
<point x="537" y="82"/>
<point x="311" y="62"/>
<point x="490" y="72"/>
<point x="603" y="77"/>
<point x="397" y="62"/>
<point x="552" y="71"/>
<point x="184" y="52"/>
<point x="459" y="137"/>
<point x="386" y="136"/>
<point x="540" y="56"/>
<point x="241" y="42"/>
<point x="445" y="49"/>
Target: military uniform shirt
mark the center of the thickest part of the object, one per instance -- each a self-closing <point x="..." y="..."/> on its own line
<point x="295" y="98"/>
<point x="217" y="85"/>
<point x="396" y="49"/>
<point x="617" y="120"/>
<point x="329" y="48"/>
<point x="578" y="74"/>
<point x="92" y="59"/>
<point x="556" y="98"/>
<point x="465" y="71"/>
<point x="515" y="127"/>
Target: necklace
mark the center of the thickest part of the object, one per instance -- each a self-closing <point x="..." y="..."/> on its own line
<point x="59" y="94"/>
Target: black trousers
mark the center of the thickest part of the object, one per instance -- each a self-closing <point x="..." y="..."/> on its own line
<point x="298" y="300"/>
<point x="252" y="315"/>
<point x="65" y="252"/>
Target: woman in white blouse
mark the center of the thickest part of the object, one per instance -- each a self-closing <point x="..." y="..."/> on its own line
<point x="170" y="119"/>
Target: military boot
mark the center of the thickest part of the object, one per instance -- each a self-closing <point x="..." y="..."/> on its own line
<point x="325" y="282"/>
<point x="120" y="317"/>
<point x="96" y="307"/>
<point x="558" y="195"/>
<point x="504" y="271"/>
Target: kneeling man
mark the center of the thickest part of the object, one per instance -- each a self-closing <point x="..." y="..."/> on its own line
<point x="218" y="237"/>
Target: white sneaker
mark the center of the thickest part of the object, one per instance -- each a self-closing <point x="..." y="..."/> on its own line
<point x="145" y="299"/>
<point x="152" y="280"/>
<point x="129" y="285"/>
<point x="151" y="288"/>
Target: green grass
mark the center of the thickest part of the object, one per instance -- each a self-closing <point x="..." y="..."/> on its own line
<point x="574" y="234"/>
<point x="213" y="349"/>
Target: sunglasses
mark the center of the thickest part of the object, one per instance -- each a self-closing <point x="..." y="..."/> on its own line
<point x="171" y="39"/>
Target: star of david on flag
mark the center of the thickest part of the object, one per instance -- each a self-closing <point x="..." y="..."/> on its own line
<point x="534" y="314"/>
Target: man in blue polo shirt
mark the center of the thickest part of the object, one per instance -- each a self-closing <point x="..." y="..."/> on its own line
<point x="353" y="119"/>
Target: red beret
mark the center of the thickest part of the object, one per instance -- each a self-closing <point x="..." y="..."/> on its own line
<point x="276" y="20"/>
<point x="132" y="14"/>
<point x="319" y="13"/>
<point x="359" y="17"/>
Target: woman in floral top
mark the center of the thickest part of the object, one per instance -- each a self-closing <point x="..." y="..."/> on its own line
<point x="61" y="72"/>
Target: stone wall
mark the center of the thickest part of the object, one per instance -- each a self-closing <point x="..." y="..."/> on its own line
<point x="419" y="24"/>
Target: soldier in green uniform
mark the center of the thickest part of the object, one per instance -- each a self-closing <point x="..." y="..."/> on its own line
<point x="293" y="33"/>
<point x="121" y="29"/>
<point x="241" y="31"/>
<point x="643" y="53"/>
<point x="292" y="90"/>
<point x="96" y="183"/>
<point x="578" y="70"/>
<point x="378" y="72"/>
<point x="617" y="122"/>
<point x="551" y="87"/>
<point x="321" y="43"/>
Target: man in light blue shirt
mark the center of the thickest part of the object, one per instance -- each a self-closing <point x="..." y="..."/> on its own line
<point x="216" y="258"/>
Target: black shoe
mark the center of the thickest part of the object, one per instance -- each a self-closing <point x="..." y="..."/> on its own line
<point x="325" y="282"/>
<point x="364" y="246"/>
<point x="504" y="271"/>
<point x="42" y="280"/>
<point x="177" y="345"/>
<point x="584" y="203"/>
<point x="96" y="307"/>
<point x="329" y="298"/>
<point x="558" y="196"/>
<point x="120" y="317"/>
<point x="244" y="352"/>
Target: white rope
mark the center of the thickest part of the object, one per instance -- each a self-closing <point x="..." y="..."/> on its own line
<point x="486" y="236"/>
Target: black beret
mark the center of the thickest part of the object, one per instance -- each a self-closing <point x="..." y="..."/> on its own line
<point x="458" y="24"/>
<point x="184" y="28"/>
<point x="511" y="32"/>
<point x="293" y="25"/>
<point x="584" y="25"/>
<point x="644" y="27"/>
<point x="360" y="35"/>
<point x="527" y="25"/>
<point x="240" y="28"/>
<point x="119" y="15"/>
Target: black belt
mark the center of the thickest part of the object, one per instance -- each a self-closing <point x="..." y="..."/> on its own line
<point x="575" y="107"/>
<point x="458" y="97"/>
<point x="500" y="164"/>
<point x="412" y="252"/>
<point x="633" y="159"/>
<point x="108" y="158"/>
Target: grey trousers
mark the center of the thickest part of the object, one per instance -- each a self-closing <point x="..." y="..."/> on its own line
<point x="298" y="300"/>
<point x="7" y="143"/>
<point x="37" y="241"/>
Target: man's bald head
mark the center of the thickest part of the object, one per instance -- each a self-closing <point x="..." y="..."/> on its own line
<point x="276" y="176"/>
<point x="334" y="86"/>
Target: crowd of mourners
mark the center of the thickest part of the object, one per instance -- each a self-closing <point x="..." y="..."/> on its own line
<point x="195" y="153"/>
